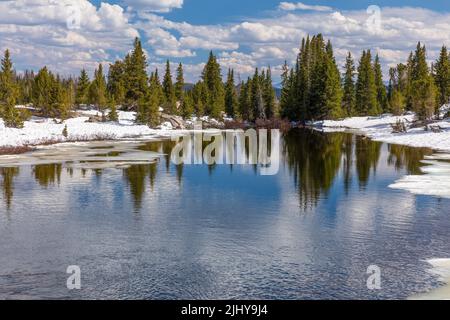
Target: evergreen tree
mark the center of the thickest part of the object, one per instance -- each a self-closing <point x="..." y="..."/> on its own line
<point x="380" y="87"/>
<point x="231" y="99"/>
<point x="245" y="100"/>
<point x="170" y="106"/>
<point x="9" y="93"/>
<point x="423" y="89"/>
<point x="333" y="89"/>
<point x="349" y="96"/>
<point x="179" y="84"/>
<point x="112" y="115"/>
<point x="116" y="82"/>
<point x="212" y="78"/>
<point x="98" y="89"/>
<point x="82" y="91"/>
<point x="148" y="112"/>
<point x="366" y="91"/>
<point x="135" y="74"/>
<point x="442" y="76"/>
<point x="187" y="106"/>
<point x="257" y="102"/>
<point x="269" y="95"/>
<point x="42" y="91"/>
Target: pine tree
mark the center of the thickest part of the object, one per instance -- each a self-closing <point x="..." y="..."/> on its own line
<point x="187" y="106"/>
<point x="257" y="102"/>
<point x="148" y="112"/>
<point x="9" y="93"/>
<point x="116" y="82"/>
<point x="42" y="91"/>
<point x="179" y="84"/>
<point x="82" y="91"/>
<point x="423" y="89"/>
<point x="397" y="102"/>
<point x="212" y="78"/>
<point x="380" y="87"/>
<point x="349" y="97"/>
<point x="366" y="91"/>
<point x="231" y="99"/>
<point x="245" y="100"/>
<point x="333" y="89"/>
<point x="112" y="115"/>
<point x="286" y="93"/>
<point x="442" y="76"/>
<point x="135" y="74"/>
<point x="170" y="106"/>
<point x="98" y="89"/>
<point x="269" y="95"/>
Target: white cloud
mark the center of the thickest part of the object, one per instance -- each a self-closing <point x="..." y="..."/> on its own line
<point x="154" y="5"/>
<point x="289" y="6"/>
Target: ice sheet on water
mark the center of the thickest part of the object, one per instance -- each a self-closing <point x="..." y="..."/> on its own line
<point x="86" y="155"/>
<point x="434" y="182"/>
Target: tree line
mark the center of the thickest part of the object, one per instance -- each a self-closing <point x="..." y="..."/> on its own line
<point x="314" y="90"/>
<point x="128" y="86"/>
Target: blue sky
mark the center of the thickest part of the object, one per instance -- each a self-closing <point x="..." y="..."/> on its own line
<point x="67" y="35"/>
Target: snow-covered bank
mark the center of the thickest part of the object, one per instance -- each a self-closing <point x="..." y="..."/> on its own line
<point x="41" y="130"/>
<point x="379" y="128"/>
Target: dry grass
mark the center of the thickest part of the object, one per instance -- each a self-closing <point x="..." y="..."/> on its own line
<point x="15" y="150"/>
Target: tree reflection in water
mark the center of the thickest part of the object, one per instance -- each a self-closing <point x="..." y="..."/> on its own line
<point x="314" y="160"/>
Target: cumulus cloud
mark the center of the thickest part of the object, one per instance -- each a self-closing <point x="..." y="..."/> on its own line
<point x="65" y="34"/>
<point x="38" y="34"/>
<point x="154" y="5"/>
<point x="289" y="6"/>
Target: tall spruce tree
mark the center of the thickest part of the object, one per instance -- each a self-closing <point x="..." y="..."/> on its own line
<point x="349" y="96"/>
<point x="366" y="90"/>
<point x="423" y="89"/>
<point x="117" y="82"/>
<point x="82" y="90"/>
<point x="212" y="78"/>
<point x="231" y="99"/>
<point x="269" y="95"/>
<point x="9" y="93"/>
<point x="179" y="84"/>
<point x="380" y="87"/>
<point x="170" y="105"/>
<point x="442" y="76"/>
<point x="135" y="74"/>
<point x="97" y="90"/>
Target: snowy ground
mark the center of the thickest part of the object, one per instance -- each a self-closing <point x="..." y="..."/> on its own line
<point x="40" y="130"/>
<point x="379" y="128"/>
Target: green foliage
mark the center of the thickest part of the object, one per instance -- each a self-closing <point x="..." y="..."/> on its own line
<point x="9" y="93"/>
<point x="187" y="105"/>
<point x="231" y="98"/>
<point x="442" y="76"/>
<point x="83" y="84"/>
<point x="97" y="90"/>
<point x="135" y="77"/>
<point x="349" y="95"/>
<point x="366" y="89"/>
<point x="179" y="84"/>
<point x="170" y="105"/>
<point x="212" y="79"/>
<point x="117" y="81"/>
<point x="382" y="100"/>
<point x="112" y="115"/>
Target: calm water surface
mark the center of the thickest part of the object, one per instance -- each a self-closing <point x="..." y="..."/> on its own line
<point x="160" y="231"/>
